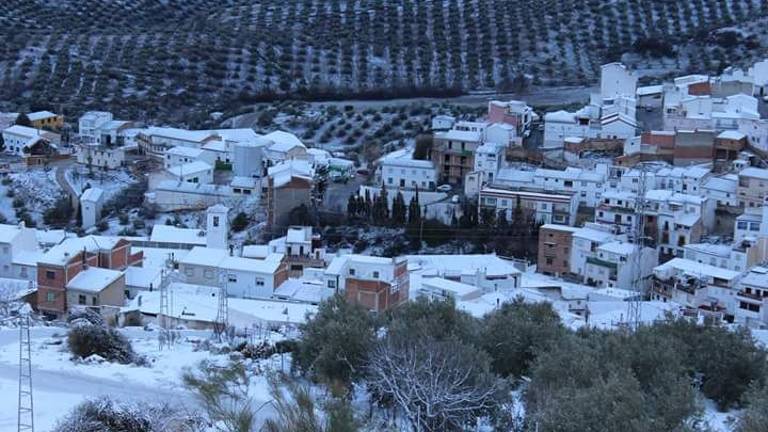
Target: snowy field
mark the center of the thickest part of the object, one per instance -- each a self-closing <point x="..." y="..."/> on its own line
<point x="60" y="384"/>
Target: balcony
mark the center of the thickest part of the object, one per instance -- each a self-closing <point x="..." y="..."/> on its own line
<point x="603" y="263"/>
<point x="750" y="296"/>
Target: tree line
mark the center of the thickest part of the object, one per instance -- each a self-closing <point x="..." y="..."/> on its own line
<point x="428" y="366"/>
<point x="483" y="230"/>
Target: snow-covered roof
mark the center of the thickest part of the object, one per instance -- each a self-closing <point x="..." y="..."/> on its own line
<point x="726" y="183"/>
<point x="243" y="135"/>
<point x="303" y="290"/>
<point x="142" y="277"/>
<point x="255" y="251"/>
<point x="457" y="288"/>
<point x="204" y="256"/>
<point x="560" y="228"/>
<point x="721" y="250"/>
<point x="492" y="265"/>
<point x="618" y="248"/>
<point x="299" y="234"/>
<point x="458" y="135"/>
<point x="268" y="265"/>
<point x="23" y="131"/>
<point x="27" y="258"/>
<point x="172" y="234"/>
<point x="757" y="277"/>
<point x="92" y="194"/>
<point x="283" y="141"/>
<point x="64" y="251"/>
<point x="594" y="235"/>
<point x="650" y="90"/>
<point x="759" y="173"/>
<point x="696" y="269"/>
<point x="243" y="182"/>
<point x="180" y="134"/>
<point x="404" y="158"/>
<point x="189" y="168"/>
<point x="40" y="115"/>
<point x="189" y="152"/>
<point x="560" y="117"/>
<point x="200" y="303"/>
<point x="731" y="135"/>
<point x="8" y="232"/>
<point x="94" y="279"/>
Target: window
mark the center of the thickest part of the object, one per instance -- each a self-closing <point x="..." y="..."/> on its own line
<point x="50" y="275"/>
<point x="232" y="278"/>
<point x="81" y="300"/>
<point x="331" y="284"/>
<point x="189" y="271"/>
<point x="375" y="275"/>
<point x="208" y="274"/>
<point x="351" y="272"/>
<point x="50" y="296"/>
<point x="259" y="282"/>
<point x="215" y="221"/>
<point x="94" y="301"/>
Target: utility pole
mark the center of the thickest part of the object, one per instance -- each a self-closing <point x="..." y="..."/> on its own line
<point x="635" y="304"/>
<point x="26" y="417"/>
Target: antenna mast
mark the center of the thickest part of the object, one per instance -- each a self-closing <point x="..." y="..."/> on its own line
<point x="635" y="304"/>
<point x="26" y="417"/>
<point x="222" y="315"/>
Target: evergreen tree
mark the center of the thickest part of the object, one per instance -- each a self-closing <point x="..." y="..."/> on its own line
<point x="398" y="210"/>
<point x="351" y="207"/>
<point x="23" y="120"/>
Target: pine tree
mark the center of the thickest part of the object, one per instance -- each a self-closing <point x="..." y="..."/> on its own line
<point x="351" y="207"/>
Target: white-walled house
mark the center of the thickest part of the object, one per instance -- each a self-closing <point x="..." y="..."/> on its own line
<point x="616" y="264"/>
<point x="400" y="170"/>
<point x="751" y="307"/>
<point x="18" y="138"/>
<point x="588" y="185"/>
<point x="697" y="286"/>
<point x="545" y="207"/>
<point x="100" y="156"/>
<point x="616" y="80"/>
<point x="242" y="277"/>
<point x="585" y="241"/>
<point x="19" y="251"/>
<point x="192" y="172"/>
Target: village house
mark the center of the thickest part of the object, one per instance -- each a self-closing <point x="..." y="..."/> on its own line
<point x="702" y="287"/>
<point x="400" y="170"/>
<point x="752" y="187"/>
<point x="288" y="185"/>
<point x="544" y="206"/>
<point x="752" y="298"/>
<point x="302" y="249"/>
<point x="619" y="264"/>
<point x="46" y="119"/>
<point x="18" y="252"/>
<point x="514" y="113"/>
<point x="555" y="249"/>
<point x="91" y="202"/>
<point x="63" y="262"/>
<point x="376" y="283"/>
<point x="585" y="243"/>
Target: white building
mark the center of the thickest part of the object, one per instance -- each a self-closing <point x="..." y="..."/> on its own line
<point x="19" y="139"/>
<point x="91" y="202"/>
<point x="588" y="185"/>
<point x="442" y="122"/>
<point x="586" y="240"/>
<point x="217" y="227"/>
<point x="400" y="170"/>
<point x="19" y="252"/>
<point x="100" y="156"/>
<point x="616" y="265"/>
<point x="443" y="289"/>
<point x="284" y="146"/>
<point x="176" y="156"/>
<point x="489" y="158"/>
<point x="752" y="299"/>
<point x="722" y="189"/>
<point x="192" y="172"/>
<point x="616" y="80"/>
<point x="545" y="207"/>
<point x="696" y="286"/>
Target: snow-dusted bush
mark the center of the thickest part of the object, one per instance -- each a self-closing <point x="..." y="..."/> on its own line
<point x="86" y="339"/>
<point x="105" y="415"/>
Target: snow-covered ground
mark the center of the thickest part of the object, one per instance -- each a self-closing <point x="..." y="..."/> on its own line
<point x="60" y="384"/>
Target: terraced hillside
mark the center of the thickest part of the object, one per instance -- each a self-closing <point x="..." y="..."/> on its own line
<point x="164" y="58"/>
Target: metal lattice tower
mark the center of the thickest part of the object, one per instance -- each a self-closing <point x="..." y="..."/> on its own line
<point x="635" y="304"/>
<point x="26" y="417"/>
<point x="222" y="314"/>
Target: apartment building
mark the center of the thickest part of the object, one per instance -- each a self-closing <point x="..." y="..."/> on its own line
<point x="545" y="207"/>
<point x="752" y="187"/>
<point x="555" y="249"/>
<point x="585" y="241"/>
<point x="587" y="185"/>
<point x="618" y="264"/>
<point x="514" y="113"/>
<point x="453" y="154"/>
<point x="706" y="288"/>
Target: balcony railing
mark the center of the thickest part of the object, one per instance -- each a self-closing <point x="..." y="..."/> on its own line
<point x="603" y="263"/>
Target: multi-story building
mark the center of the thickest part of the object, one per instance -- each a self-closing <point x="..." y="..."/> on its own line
<point x="400" y="170"/>
<point x="545" y="207"/>
<point x="288" y="185"/>
<point x="694" y="285"/>
<point x="752" y="298"/>
<point x="555" y="249"/>
<point x="18" y="252"/>
<point x="587" y="185"/>
<point x="302" y="249"/>
<point x="514" y="113"/>
<point x="242" y="277"/>
<point x="585" y="242"/>
<point x="619" y="264"/>
<point x="753" y="187"/>
<point x="46" y="119"/>
<point x="376" y="283"/>
<point x="61" y="265"/>
<point x="722" y="190"/>
<point x="453" y="154"/>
